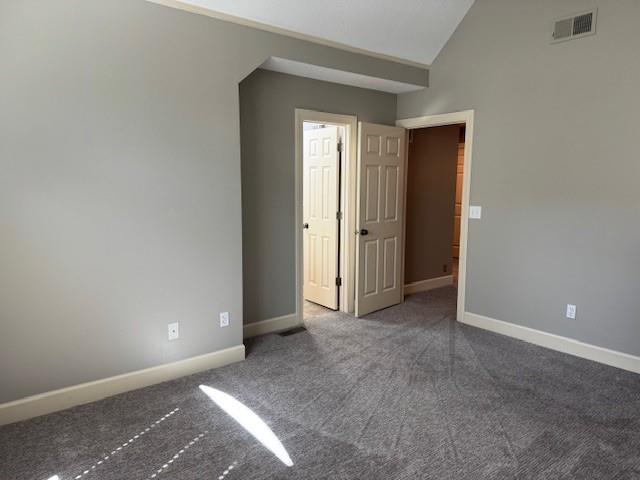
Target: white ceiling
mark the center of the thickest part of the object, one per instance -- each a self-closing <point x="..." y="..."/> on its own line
<point x="414" y="30"/>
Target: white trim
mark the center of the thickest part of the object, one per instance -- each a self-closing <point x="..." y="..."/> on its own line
<point x="429" y="284"/>
<point x="404" y="212"/>
<point x="347" y="237"/>
<point x="556" y="342"/>
<point x="68" y="397"/>
<point x="271" y="325"/>
<point x="437" y="120"/>
<point x="466" y="117"/>
<point x="177" y="4"/>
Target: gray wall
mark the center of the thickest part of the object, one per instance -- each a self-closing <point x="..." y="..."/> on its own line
<point x="120" y="183"/>
<point x="431" y="198"/>
<point x="267" y="121"/>
<point x="555" y="165"/>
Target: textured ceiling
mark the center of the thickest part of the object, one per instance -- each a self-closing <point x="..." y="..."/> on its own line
<point x="413" y="30"/>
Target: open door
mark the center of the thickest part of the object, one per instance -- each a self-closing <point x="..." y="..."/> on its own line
<point x="319" y="212"/>
<point x="381" y="165"/>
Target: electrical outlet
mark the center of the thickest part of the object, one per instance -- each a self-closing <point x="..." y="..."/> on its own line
<point x="224" y="319"/>
<point x="571" y="311"/>
<point x="174" y="331"/>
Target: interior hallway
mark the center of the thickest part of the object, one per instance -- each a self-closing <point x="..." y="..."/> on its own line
<point x="404" y="393"/>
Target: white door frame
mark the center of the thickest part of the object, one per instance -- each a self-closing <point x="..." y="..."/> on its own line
<point x="439" y="120"/>
<point x="348" y="195"/>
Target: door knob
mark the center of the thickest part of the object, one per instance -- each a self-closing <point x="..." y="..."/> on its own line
<point x="305" y="225"/>
<point x="364" y="231"/>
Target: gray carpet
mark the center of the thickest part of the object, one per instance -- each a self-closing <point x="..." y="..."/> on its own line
<point x="406" y="393"/>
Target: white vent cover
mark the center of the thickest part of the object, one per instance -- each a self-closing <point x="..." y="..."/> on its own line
<point x="575" y="26"/>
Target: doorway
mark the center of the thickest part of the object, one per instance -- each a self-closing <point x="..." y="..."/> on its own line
<point x="434" y="198"/>
<point x="321" y="212"/>
<point x="372" y="217"/>
<point x="464" y="122"/>
<point x="325" y="212"/>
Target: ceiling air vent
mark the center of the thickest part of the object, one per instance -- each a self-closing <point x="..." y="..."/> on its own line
<point x="575" y="26"/>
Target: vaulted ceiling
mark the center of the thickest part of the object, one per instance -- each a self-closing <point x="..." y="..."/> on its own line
<point x="414" y="30"/>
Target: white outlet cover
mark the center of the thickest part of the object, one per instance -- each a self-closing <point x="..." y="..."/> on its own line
<point x="173" y="331"/>
<point x="475" y="211"/>
<point x="224" y="319"/>
<point x="571" y="311"/>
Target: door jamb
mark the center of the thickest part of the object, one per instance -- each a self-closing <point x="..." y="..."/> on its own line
<point x="347" y="254"/>
<point x="466" y="117"/>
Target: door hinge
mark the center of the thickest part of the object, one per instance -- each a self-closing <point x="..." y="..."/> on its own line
<point x="338" y="215"/>
<point x="339" y="281"/>
<point x="340" y="146"/>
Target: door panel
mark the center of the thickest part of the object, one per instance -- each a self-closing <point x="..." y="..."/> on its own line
<point x="391" y="194"/>
<point x="381" y="166"/>
<point x="312" y="278"/>
<point x="390" y="261"/>
<point x="372" y="193"/>
<point x="320" y="205"/>
<point x="370" y="267"/>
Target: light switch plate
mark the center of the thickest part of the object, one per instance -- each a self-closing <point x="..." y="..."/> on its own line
<point x="475" y="211"/>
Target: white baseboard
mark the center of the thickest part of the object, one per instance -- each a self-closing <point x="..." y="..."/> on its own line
<point x="68" y="397"/>
<point x="556" y="342"/>
<point x="430" y="284"/>
<point x="276" y="324"/>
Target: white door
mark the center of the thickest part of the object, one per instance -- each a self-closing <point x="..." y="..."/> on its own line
<point x="381" y="165"/>
<point x="319" y="212"/>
